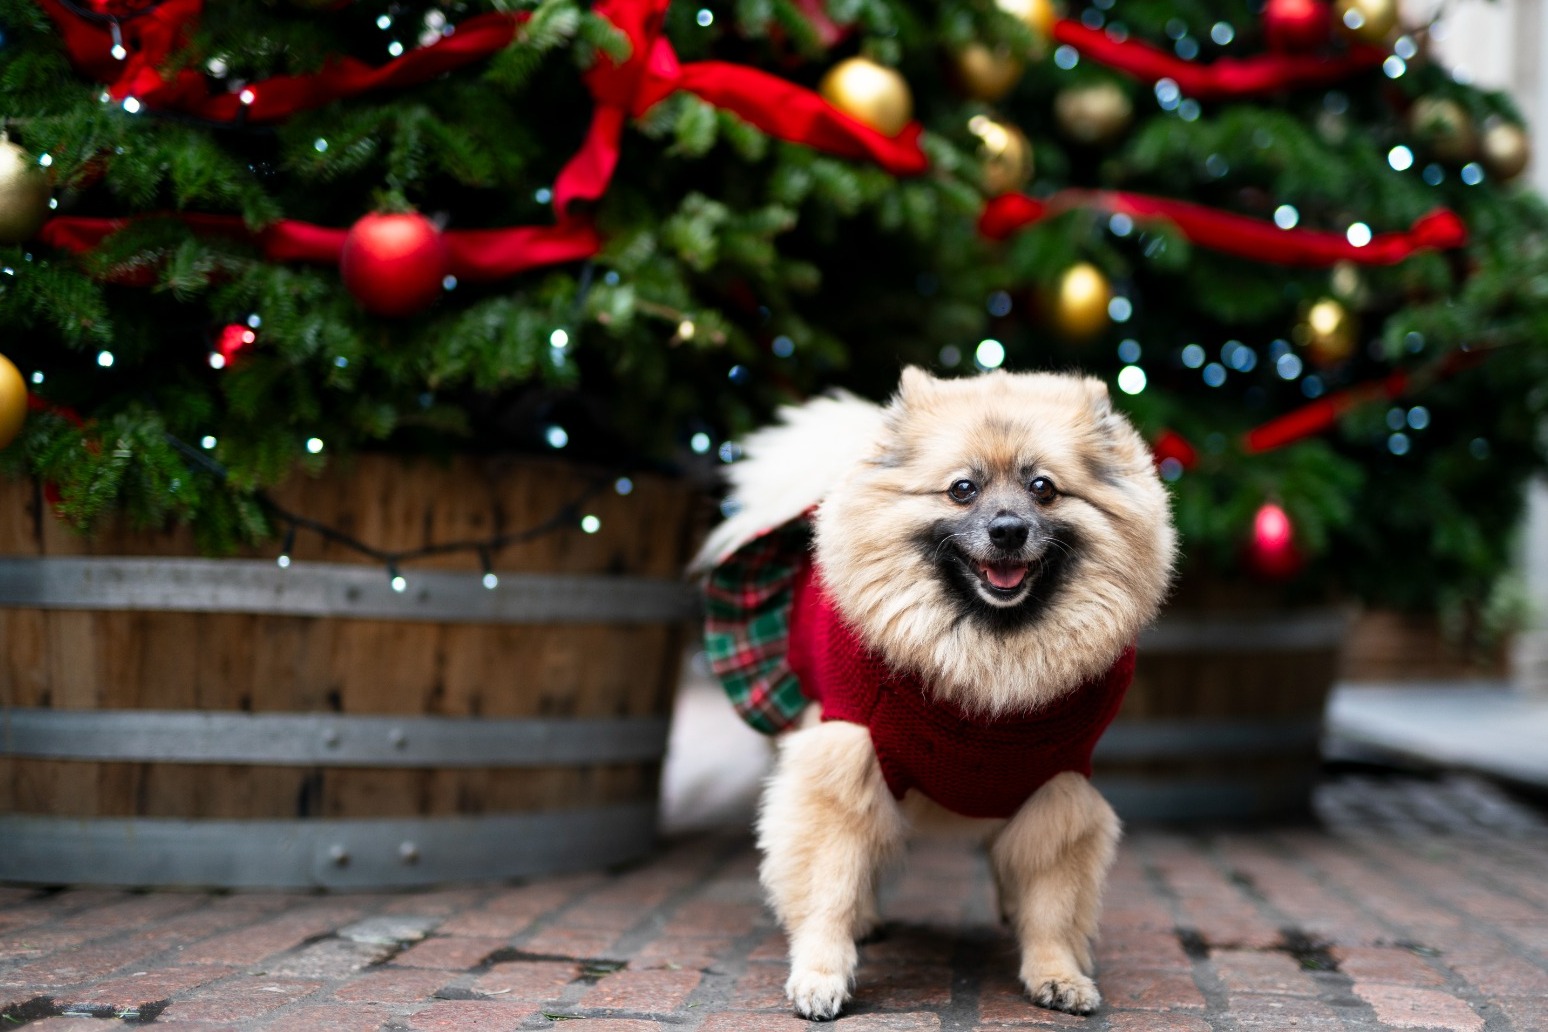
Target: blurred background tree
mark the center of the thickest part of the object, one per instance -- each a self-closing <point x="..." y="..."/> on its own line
<point x="248" y="238"/>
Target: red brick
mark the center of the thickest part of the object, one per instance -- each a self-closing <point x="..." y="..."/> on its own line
<point x="1003" y="1001"/>
<point x="1405" y="1007"/>
<point x="258" y="942"/>
<point x="1156" y="1023"/>
<point x="1247" y="971"/>
<point x="1525" y="1012"/>
<point x="237" y="999"/>
<point x="561" y="941"/>
<point x="1377" y="891"/>
<point x="709" y="917"/>
<point x="609" y="1025"/>
<point x="615" y="919"/>
<point x="530" y="981"/>
<point x="436" y="902"/>
<point x="327" y="959"/>
<point x="775" y="947"/>
<point x="468" y="1016"/>
<point x="84" y="964"/>
<point x="911" y="946"/>
<point x="1391" y="964"/>
<point x="1494" y="970"/>
<point x="510" y="911"/>
<point x="392" y="985"/>
<point x="761" y="987"/>
<point x="677" y="953"/>
<point x="759" y="1021"/>
<point x="452" y="953"/>
<point x="331" y="1017"/>
<point x="1140" y="988"/>
<point x="1280" y="1013"/>
<point x="752" y="1021"/>
<point x="918" y="1022"/>
<point x="134" y="991"/>
<point x="647" y="992"/>
<point x="1143" y="949"/>
<point x="28" y="945"/>
<point x="1310" y="905"/>
<point x="927" y="910"/>
<point x="904" y="987"/>
<point x="482" y="923"/>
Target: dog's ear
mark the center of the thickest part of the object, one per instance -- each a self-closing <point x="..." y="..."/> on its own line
<point x="914" y="386"/>
<point x="1098" y="401"/>
<point x="1121" y="439"/>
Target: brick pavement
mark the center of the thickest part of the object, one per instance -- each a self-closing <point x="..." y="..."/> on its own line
<point x="1415" y="905"/>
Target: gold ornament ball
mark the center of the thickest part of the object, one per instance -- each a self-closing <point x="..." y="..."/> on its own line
<point x="13" y="401"/>
<point x="1080" y="306"/>
<point x="1506" y="150"/>
<point x="872" y="93"/>
<point x="986" y="74"/>
<point x="1037" y="15"/>
<point x="1004" y="153"/>
<point x="1093" y="114"/>
<point x="1369" y="21"/>
<point x="24" y="190"/>
<point x="1445" y="128"/>
<point x="1328" y="331"/>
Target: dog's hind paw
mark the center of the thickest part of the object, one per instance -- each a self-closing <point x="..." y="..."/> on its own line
<point x="817" y="996"/>
<point x="1074" y="994"/>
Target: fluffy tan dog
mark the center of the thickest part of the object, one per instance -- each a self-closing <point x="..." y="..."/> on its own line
<point x="984" y="552"/>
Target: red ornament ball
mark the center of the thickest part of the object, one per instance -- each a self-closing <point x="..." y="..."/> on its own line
<point x="1271" y="553"/>
<point x="394" y="264"/>
<point x="1296" y="26"/>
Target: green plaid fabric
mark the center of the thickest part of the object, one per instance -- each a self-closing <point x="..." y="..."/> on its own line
<point x="747" y="600"/>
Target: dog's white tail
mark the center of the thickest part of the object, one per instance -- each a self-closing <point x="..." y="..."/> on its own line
<point x="790" y="466"/>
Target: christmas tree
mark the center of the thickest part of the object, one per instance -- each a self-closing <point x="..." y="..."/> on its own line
<point x="247" y="238"/>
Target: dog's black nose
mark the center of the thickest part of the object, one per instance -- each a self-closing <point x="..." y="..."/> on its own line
<point x="1007" y="531"/>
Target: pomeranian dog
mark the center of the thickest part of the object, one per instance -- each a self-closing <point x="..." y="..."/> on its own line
<point x="938" y="601"/>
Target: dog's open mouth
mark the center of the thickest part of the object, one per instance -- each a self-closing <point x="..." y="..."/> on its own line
<point x="1004" y="575"/>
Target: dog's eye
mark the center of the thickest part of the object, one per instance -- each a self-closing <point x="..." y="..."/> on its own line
<point x="963" y="491"/>
<point x="1043" y="489"/>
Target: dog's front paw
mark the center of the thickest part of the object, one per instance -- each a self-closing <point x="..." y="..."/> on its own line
<point x="816" y="995"/>
<point x="1074" y="994"/>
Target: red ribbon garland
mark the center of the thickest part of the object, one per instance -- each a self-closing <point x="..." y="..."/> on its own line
<point x="149" y="38"/>
<point x="1230" y="233"/>
<point x="1227" y="77"/>
<point x="1321" y="414"/>
<point x="152" y="37"/>
<point x="652" y="73"/>
<point x="475" y="255"/>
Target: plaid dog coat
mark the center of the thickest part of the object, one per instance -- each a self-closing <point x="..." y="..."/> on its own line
<point x="777" y="643"/>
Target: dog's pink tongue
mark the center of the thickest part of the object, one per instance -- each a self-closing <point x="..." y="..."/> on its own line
<point x="1005" y="575"/>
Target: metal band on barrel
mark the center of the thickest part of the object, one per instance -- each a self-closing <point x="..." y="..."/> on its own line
<point x="336" y="854"/>
<point x="1303" y="631"/>
<point x="335" y="589"/>
<point x="1136" y="740"/>
<point x="329" y="740"/>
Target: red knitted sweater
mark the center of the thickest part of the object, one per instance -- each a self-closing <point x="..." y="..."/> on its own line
<point x="973" y="766"/>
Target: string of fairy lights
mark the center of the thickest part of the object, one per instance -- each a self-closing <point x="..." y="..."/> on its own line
<point x="569" y="515"/>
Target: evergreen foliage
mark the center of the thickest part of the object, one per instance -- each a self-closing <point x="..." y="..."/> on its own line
<point x="740" y="272"/>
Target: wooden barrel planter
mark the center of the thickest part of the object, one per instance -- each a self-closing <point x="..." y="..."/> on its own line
<point x="1389" y="646"/>
<point x="1224" y="719"/>
<point x="174" y="720"/>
